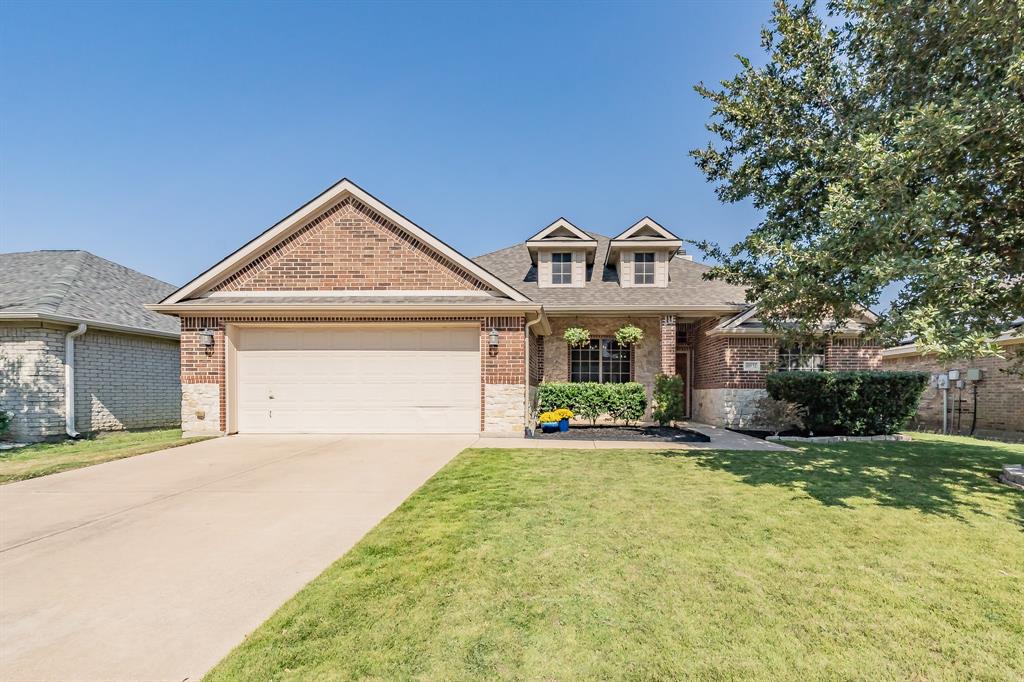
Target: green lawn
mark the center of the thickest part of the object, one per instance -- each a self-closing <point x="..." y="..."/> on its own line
<point x="41" y="459"/>
<point x="900" y="561"/>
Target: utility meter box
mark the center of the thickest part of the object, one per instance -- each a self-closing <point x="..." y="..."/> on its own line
<point x="942" y="381"/>
<point x="953" y="374"/>
<point x="974" y="374"/>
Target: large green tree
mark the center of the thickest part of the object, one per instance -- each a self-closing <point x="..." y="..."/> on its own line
<point x="883" y="142"/>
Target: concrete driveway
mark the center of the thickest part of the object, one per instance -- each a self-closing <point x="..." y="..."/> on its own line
<point x="154" y="567"/>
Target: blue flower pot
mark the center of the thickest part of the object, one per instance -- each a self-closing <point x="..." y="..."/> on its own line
<point x="549" y="427"/>
<point x="563" y="425"/>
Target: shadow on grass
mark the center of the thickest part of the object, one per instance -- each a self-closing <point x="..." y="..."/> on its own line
<point x="943" y="478"/>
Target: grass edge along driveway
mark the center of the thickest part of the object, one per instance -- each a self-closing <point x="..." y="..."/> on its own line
<point x="40" y="459"/>
<point x="843" y="561"/>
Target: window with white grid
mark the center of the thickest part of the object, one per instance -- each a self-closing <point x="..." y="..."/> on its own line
<point x="643" y="268"/>
<point x="561" y="268"/>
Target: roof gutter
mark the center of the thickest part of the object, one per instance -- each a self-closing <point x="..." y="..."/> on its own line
<point x="527" y="403"/>
<point x="637" y="310"/>
<point x="69" y="378"/>
<point x="279" y="308"/>
<point x="63" y="319"/>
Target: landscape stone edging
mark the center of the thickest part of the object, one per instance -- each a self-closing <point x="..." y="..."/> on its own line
<point x="840" y="439"/>
<point x="1013" y="474"/>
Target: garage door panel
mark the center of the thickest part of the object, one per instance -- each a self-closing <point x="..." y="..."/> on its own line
<point x="365" y="380"/>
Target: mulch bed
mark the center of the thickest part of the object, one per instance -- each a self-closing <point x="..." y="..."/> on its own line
<point x="653" y="434"/>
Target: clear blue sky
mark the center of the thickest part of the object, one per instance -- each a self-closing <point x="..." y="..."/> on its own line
<point x="163" y="136"/>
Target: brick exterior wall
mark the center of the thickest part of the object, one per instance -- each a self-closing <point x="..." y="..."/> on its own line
<point x="126" y="381"/>
<point x="725" y="394"/>
<point x="667" y="343"/>
<point x="502" y="368"/>
<point x="718" y="360"/>
<point x="350" y="246"/>
<point x="32" y="380"/>
<point x="1000" y="401"/>
<point x="122" y="381"/>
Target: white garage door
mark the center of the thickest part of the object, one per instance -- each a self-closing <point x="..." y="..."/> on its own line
<point x="358" y="380"/>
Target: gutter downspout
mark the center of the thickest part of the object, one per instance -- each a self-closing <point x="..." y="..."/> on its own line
<point x="69" y="379"/>
<point x="526" y="355"/>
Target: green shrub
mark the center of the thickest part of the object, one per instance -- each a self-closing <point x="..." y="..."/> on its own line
<point x="591" y="400"/>
<point x="627" y="402"/>
<point x="851" y="403"/>
<point x="5" y="421"/>
<point x="556" y="395"/>
<point x="668" y="398"/>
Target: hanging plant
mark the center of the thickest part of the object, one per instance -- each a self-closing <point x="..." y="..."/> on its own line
<point x="629" y="334"/>
<point x="577" y="337"/>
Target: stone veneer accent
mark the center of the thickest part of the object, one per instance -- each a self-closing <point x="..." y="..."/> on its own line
<point x="200" y="410"/>
<point x="733" y="407"/>
<point x="122" y="381"/>
<point x="504" y="412"/>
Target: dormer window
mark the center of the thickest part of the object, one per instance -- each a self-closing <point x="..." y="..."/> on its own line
<point x="643" y="268"/>
<point x="561" y="268"/>
<point x="642" y="253"/>
<point x="562" y="252"/>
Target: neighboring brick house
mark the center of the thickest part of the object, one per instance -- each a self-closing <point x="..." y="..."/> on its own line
<point x="72" y="319"/>
<point x="348" y="317"/>
<point x="991" y="406"/>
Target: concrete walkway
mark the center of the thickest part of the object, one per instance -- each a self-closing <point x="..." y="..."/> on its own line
<point x="721" y="439"/>
<point x="155" y="567"/>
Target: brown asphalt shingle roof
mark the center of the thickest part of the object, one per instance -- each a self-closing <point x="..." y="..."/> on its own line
<point x="686" y="285"/>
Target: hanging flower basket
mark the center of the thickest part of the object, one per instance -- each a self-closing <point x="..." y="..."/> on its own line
<point x="577" y="337"/>
<point x="629" y="334"/>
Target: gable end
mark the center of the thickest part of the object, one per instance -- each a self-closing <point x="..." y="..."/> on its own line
<point x="350" y="246"/>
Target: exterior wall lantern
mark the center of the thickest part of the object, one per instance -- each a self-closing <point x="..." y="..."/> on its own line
<point x="206" y="338"/>
<point x="492" y="338"/>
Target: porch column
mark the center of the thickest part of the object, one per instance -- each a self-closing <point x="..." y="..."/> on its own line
<point x="668" y="344"/>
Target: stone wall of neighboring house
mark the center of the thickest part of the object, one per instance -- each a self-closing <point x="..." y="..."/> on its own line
<point x="32" y="380"/>
<point x="126" y="381"/>
<point x="647" y="357"/>
<point x="122" y="381"/>
<point x="502" y="382"/>
<point x="1000" y="397"/>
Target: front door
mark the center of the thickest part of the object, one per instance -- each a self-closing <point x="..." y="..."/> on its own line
<point x="683" y="370"/>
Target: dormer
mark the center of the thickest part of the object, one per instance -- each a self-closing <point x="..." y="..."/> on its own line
<point x="641" y="254"/>
<point x="561" y="252"/>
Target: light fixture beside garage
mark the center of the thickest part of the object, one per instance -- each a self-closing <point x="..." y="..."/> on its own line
<point x="206" y="338"/>
<point x="492" y="338"/>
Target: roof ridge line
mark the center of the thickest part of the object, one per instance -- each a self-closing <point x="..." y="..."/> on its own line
<point x="63" y="281"/>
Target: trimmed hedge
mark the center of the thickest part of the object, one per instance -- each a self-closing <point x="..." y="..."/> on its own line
<point x="851" y="403"/>
<point x="668" y="398"/>
<point x="591" y="400"/>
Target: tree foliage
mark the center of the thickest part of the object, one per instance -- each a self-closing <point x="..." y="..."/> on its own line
<point x="884" y="146"/>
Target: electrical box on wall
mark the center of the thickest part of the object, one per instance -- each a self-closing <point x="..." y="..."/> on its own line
<point x="942" y="381"/>
<point x="953" y="374"/>
<point x="974" y="374"/>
